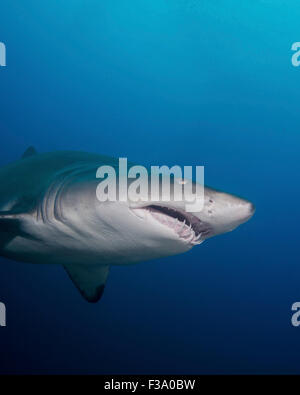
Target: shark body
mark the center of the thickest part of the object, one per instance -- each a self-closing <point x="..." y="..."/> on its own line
<point x="49" y="213"/>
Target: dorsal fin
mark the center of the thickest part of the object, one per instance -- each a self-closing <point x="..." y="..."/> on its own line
<point x="89" y="279"/>
<point x="31" y="151"/>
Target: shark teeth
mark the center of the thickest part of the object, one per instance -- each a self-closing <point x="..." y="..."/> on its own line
<point x="197" y="239"/>
<point x="182" y="227"/>
<point x="187" y="233"/>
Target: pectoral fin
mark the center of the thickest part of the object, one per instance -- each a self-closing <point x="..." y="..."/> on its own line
<point x="9" y="222"/>
<point x="12" y="225"/>
<point x="89" y="279"/>
<point x="9" y="228"/>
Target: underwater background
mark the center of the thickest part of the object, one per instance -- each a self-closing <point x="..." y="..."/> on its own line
<point x="162" y="82"/>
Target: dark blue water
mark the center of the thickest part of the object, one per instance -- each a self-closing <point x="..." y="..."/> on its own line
<point x="184" y="82"/>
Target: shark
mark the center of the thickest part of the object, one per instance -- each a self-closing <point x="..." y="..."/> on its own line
<point x="50" y="214"/>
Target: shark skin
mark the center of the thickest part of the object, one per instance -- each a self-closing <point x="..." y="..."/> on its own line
<point x="50" y="214"/>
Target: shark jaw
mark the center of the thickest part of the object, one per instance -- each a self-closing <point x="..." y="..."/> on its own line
<point x="186" y="226"/>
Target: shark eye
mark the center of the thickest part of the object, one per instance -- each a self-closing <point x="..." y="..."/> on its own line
<point x="211" y="201"/>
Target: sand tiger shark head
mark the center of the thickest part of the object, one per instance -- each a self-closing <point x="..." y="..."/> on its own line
<point x="221" y="213"/>
<point x="139" y="231"/>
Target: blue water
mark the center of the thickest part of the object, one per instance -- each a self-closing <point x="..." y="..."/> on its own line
<point x="184" y="82"/>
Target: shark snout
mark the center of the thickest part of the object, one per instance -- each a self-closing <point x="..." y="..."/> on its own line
<point x="243" y="210"/>
<point x="249" y="210"/>
<point x="237" y="211"/>
<point x="227" y="211"/>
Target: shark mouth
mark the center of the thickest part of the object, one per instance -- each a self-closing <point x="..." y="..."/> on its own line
<point x="187" y="226"/>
